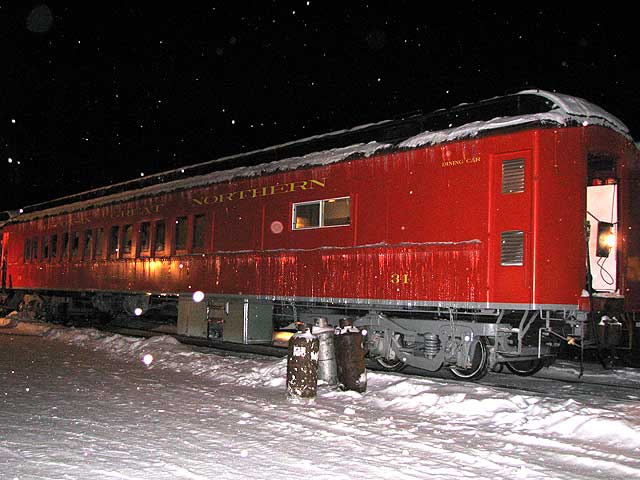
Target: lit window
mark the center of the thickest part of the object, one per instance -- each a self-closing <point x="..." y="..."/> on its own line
<point x="113" y="241"/>
<point x="335" y="212"/>
<point x="144" y="237"/>
<point x="306" y="215"/>
<point x="322" y="213"/>
<point x="159" y="237"/>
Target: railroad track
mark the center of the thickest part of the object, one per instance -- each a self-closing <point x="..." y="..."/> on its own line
<point x="566" y="387"/>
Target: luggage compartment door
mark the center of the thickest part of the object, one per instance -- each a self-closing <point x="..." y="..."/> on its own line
<point x="510" y="232"/>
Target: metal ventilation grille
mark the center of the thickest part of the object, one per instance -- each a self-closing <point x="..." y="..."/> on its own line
<point x="512" y="248"/>
<point x="513" y="176"/>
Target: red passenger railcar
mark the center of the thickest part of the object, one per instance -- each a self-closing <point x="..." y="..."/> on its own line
<point x="468" y="237"/>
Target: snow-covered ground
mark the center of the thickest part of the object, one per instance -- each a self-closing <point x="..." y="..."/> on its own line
<point x="80" y="403"/>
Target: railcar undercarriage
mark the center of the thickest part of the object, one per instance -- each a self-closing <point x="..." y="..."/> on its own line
<point x="467" y="342"/>
<point x="470" y="342"/>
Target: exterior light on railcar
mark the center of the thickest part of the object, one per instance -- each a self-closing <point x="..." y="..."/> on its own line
<point x="597" y="181"/>
<point x="611" y="181"/>
<point x="606" y="239"/>
<point x="610" y="240"/>
<point x="137" y="311"/>
<point x="198" y="296"/>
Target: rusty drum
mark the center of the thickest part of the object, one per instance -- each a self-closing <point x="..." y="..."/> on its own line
<point x="302" y="365"/>
<point x="352" y="373"/>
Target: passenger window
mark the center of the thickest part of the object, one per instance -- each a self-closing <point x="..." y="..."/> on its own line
<point x="45" y="247"/>
<point x="86" y="247"/>
<point x="144" y="238"/>
<point x="34" y="249"/>
<point x="27" y="249"/>
<point x="323" y="213"/>
<point x="65" y="245"/>
<point x="306" y="215"/>
<point x="336" y="212"/>
<point x="113" y="241"/>
<point x="75" y="244"/>
<point x="159" y="237"/>
<point x="54" y="245"/>
<point x="199" y="226"/>
<point x="127" y="236"/>
<point x="99" y="242"/>
<point x="180" y="233"/>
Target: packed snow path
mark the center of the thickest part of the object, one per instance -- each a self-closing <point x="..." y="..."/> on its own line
<point x="81" y="404"/>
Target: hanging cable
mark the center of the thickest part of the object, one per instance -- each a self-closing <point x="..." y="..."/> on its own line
<point x="608" y="279"/>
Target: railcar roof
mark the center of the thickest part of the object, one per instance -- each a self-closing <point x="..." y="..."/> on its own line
<point x="409" y="131"/>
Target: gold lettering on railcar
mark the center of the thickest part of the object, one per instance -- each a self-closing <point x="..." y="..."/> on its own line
<point x="266" y="191"/>
<point x="461" y="162"/>
<point x="122" y="211"/>
<point x="400" y="278"/>
<point x="86" y="217"/>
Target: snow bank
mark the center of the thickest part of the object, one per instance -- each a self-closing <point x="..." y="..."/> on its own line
<point x="456" y="402"/>
<point x="401" y="427"/>
<point x="13" y="324"/>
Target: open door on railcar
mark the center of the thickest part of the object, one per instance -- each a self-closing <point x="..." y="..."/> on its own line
<point x="602" y="226"/>
<point x="602" y="218"/>
<point x="609" y="328"/>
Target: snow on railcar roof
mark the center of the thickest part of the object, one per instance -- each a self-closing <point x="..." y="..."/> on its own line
<point x="565" y="110"/>
<point x="313" y="159"/>
<point x="560" y="110"/>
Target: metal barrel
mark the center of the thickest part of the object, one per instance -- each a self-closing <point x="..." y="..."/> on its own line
<point x="352" y="373"/>
<point x="609" y="332"/>
<point x="302" y="365"/>
<point x="327" y="367"/>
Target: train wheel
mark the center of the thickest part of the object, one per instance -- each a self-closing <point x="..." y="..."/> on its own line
<point x="479" y="363"/>
<point x="394" y="365"/>
<point x="525" y="368"/>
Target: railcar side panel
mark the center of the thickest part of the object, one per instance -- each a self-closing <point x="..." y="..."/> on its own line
<point x="559" y="249"/>
<point x="425" y="225"/>
<point x="631" y="234"/>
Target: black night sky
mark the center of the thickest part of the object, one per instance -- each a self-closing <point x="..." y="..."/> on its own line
<point x="105" y="92"/>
